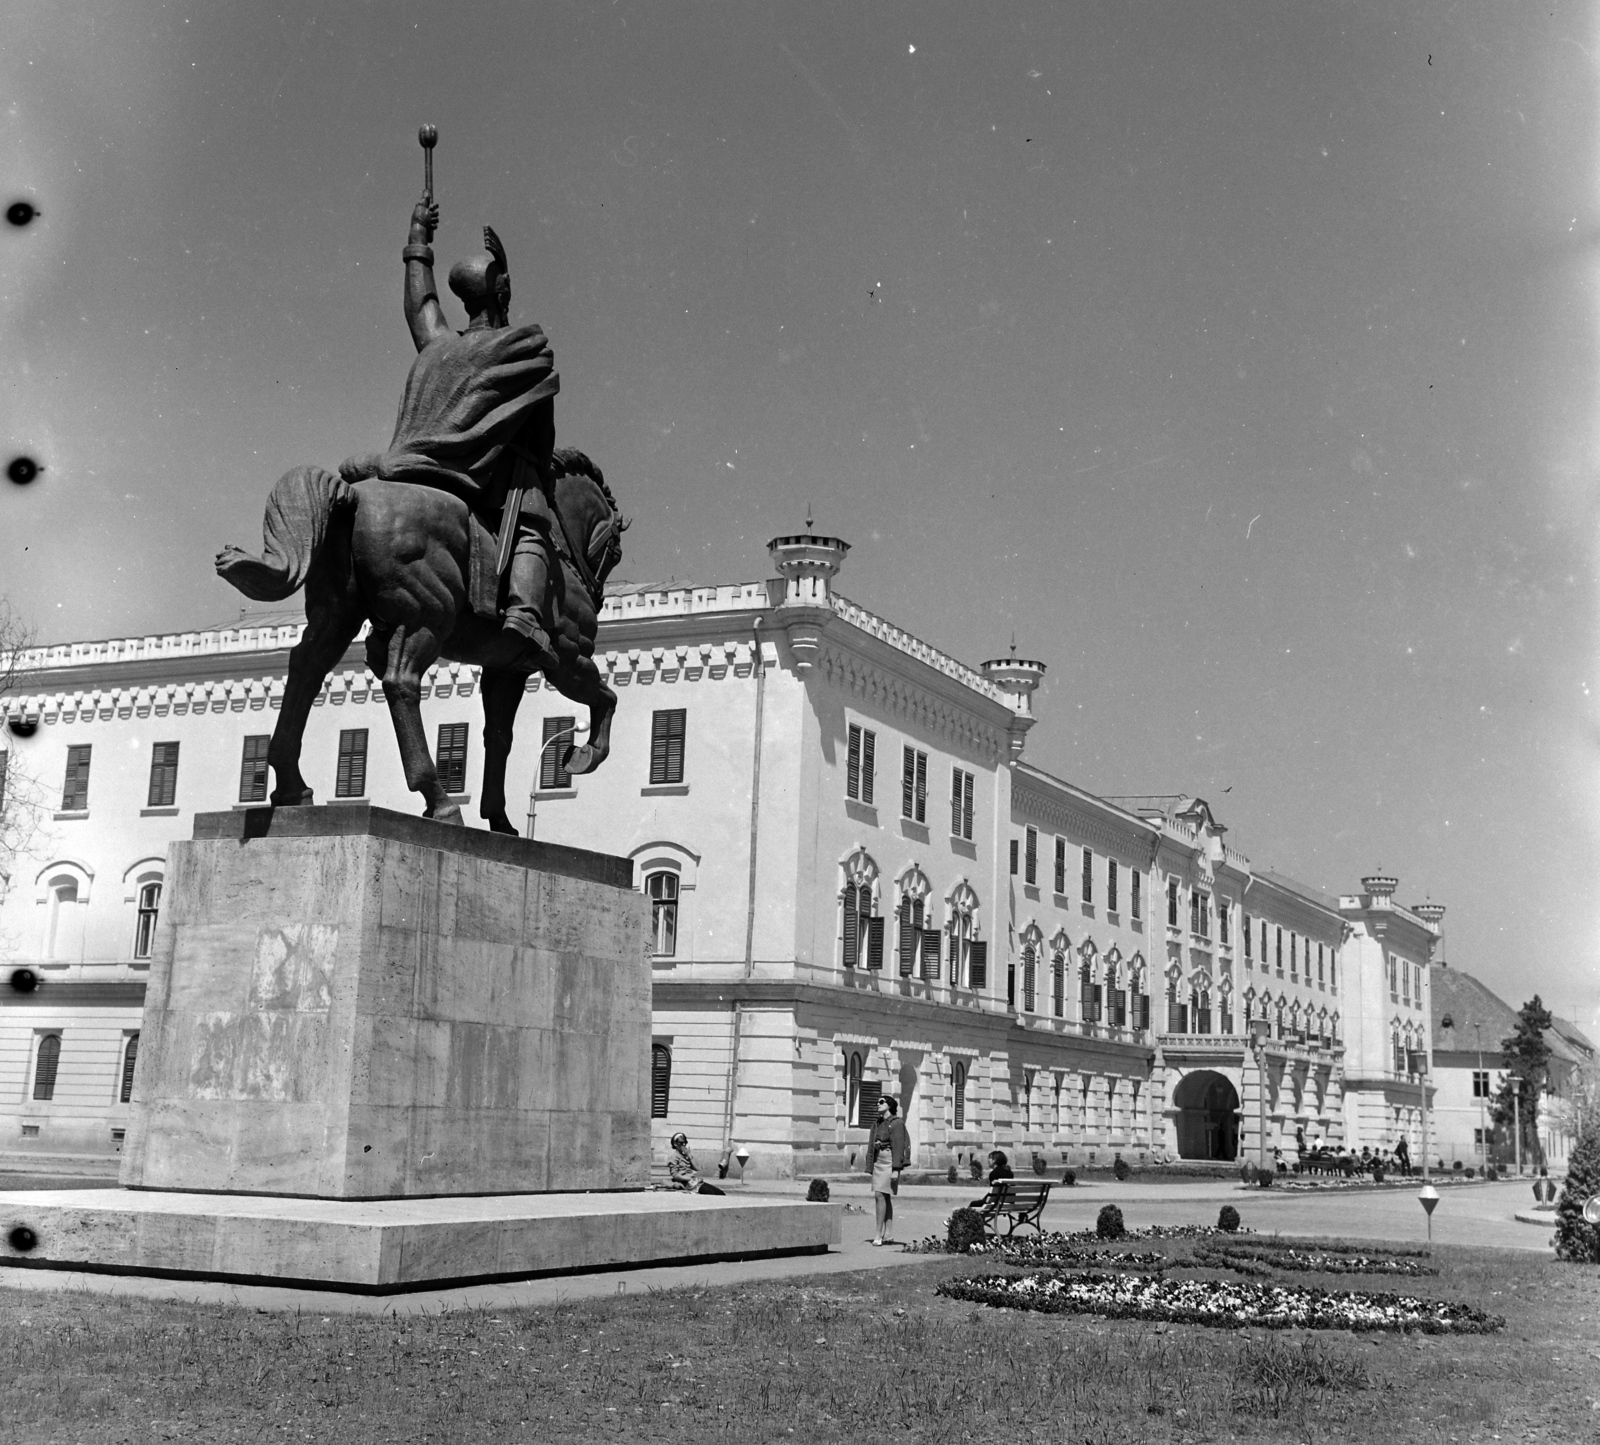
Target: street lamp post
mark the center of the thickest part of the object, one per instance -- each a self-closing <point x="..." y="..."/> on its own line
<point x="1480" y="1087"/>
<point x="1516" y="1117"/>
<point x="1419" y="1066"/>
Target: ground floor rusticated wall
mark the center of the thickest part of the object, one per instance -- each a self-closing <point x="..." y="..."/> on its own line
<point x="1213" y="1091"/>
<point x="1380" y="1112"/>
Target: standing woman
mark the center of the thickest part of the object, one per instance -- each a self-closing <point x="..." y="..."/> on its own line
<point x="889" y="1154"/>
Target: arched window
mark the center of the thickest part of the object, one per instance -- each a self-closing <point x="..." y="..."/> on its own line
<point x="915" y="926"/>
<point x="860" y="931"/>
<point x="662" y="889"/>
<point x="969" y="954"/>
<point x="958" y="1089"/>
<point x="861" y="1095"/>
<point x="59" y="932"/>
<point x="1091" y="997"/>
<point x="45" y="1064"/>
<point x="1116" y="996"/>
<point x="1027" y="1101"/>
<point x="144" y="933"/>
<point x="1030" y="970"/>
<point x="1279" y="1019"/>
<point x="1058" y="983"/>
<point x="130" y="1056"/>
<point x="1204" y="1024"/>
<point x="660" y="1079"/>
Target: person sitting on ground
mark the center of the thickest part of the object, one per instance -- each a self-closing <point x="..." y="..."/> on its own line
<point x="681" y="1170"/>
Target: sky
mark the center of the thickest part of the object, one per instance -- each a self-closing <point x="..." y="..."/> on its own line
<point x="1238" y="360"/>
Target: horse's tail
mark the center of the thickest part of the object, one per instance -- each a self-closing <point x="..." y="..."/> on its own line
<point x="301" y="506"/>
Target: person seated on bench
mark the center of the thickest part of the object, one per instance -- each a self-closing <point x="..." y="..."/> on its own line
<point x="681" y="1170"/>
<point x="999" y="1168"/>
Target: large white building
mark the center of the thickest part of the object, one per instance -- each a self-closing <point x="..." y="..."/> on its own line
<point x="860" y="885"/>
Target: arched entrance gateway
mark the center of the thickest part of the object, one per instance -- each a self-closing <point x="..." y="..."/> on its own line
<point x="1208" y="1116"/>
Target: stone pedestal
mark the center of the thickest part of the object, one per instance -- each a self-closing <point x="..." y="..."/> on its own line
<point x="349" y="1003"/>
<point x="381" y="1053"/>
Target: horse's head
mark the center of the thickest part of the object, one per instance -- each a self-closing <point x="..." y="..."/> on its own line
<point x="589" y="514"/>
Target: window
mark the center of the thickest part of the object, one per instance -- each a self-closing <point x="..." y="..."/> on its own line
<point x="1222" y="920"/>
<point x="1394" y="979"/>
<point x="253" y="769"/>
<point x="666" y="745"/>
<point x="1030" y="977"/>
<point x="1134" y="905"/>
<point x="1172" y="903"/>
<point x="958" y="1087"/>
<point x="1478" y="1141"/>
<point x="1031" y="872"/>
<point x="351" y="780"/>
<point x="130" y="1056"/>
<point x="1263" y="943"/>
<point x="1399" y="1051"/>
<point x="1480" y="1084"/>
<point x="1011" y="982"/>
<point x="859" y="764"/>
<point x="1279" y="941"/>
<point x="1141" y="1011"/>
<point x="1013" y="857"/>
<point x="450" y="757"/>
<point x="1248" y="951"/>
<point x="1177" y="1013"/>
<point x="144" y="933"/>
<point x="1225" y="1006"/>
<point x="961" y="804"/>
<point x="914" y="785"/>
<point x="1058" y="984"/>
<point x="163" y="775"/>
<point x="75" y="790"/>
<point x="660" y="1080"/>
<point x="1086" y="883"/>
<point x="978" y="963"/>
<point x="44" y="1067"/>
<point x="63" y="929"/>
<point x="1203" y="1013"/>
<point x="911" y="913"/>
<point x="1111" y="885"/>
<point x="1061" y="865"/>
<point x="967" y="963"/>
<point x="662" y="889"/>
<point x="1333" y="970"/>
<point x="861" y="1096"/>
<point x="1119" y="1007"/>
<point x="1294" y="955"/>
<point x="556" y="752"/>
<point x="930" y="951"/>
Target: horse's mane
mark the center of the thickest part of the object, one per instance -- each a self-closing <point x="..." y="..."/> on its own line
<point x="570" y="462"/>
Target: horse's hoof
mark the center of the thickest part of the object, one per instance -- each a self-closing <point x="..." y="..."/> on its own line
<point x="303" y="799"/>
<point x="499" y="823"/>
<point x="451" y="814"/>
<point x="584" y="760"/>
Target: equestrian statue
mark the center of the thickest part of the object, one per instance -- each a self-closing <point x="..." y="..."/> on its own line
<point x="472" y="538"/>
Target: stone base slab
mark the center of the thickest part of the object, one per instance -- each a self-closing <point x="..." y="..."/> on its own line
<point x="390" y="1246"/>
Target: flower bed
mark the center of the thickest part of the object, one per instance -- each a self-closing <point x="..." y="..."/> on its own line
<point x="1261" y="1260"/>
<point x="1067" y="1242"/>
<point x="1223" y="1304"/>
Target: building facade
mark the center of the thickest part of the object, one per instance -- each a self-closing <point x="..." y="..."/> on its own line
<point x="859" y="885"/>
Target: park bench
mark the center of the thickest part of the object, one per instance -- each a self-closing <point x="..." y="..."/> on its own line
<point x="1019" y="1201"/>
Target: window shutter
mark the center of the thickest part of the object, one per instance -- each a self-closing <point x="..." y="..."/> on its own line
<point x="922" y="788"/>
<point x="1058" y="985"/>
<point x="451" y="757"/>
<point x="979" y="963"/>
<point x="1061" y="865"/>
<point x="966" y="808"/>
<point x="666" y="745"/>
<point x="908" y="782"/>
<point x="960" y="1080"/>
<point x="955" y="801"/>
<point x="1098" y="1002"/>
<point x="1133" y="889"/>
<point x="852" y="776"/>
<point x="351" y="779"/>
<point x="44" y="1069"/>
<point x="869" y="741"/>
<point x="253" y="770"/>
<point x="557" y="749"/>
<point x="852" y="948"/>
<point x="1111" y="885"/>
<point x="875" y="941"/>
<point x="930" y="954"/>
<point x="75" y="790"/>
<point x="1088" y="876"/>
<point x="1032" y="874"/>
<point x="867" y="1103"/>
<point x="660" y="1080"/>
<point x="130" y="1056"/>
<point x="1013" y="857"/>
<point x="163" y="775"/>
<point x="907" y="939"/>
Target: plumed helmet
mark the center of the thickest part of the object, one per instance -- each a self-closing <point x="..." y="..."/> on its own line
<point x="479" y="279"/>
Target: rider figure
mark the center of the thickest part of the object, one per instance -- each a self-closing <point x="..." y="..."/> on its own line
<point x="478" y="417"/>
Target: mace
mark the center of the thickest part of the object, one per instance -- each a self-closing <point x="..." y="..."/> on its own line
<point x="427" y="138"/>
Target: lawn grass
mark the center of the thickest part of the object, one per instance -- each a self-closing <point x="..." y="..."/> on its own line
<point x="819" y="1359"/>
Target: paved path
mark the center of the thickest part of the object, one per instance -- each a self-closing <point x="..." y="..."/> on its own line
<point x="1475" y="1214"/>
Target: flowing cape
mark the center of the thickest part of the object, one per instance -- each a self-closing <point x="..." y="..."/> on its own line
<point x="468" y="396"/>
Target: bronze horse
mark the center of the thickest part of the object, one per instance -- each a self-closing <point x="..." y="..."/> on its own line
<point x="401" y="554"/>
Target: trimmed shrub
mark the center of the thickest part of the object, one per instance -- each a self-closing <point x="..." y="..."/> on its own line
<point x="1577" y="1240"/>
<point x="964" y="1230"/>
<point x="1108" y="1224"/>
<point x="1069" y="1177"/>
<point x="1377" y="1174"/>
<point x="1228" y="1219"/>
<point x="952" y="1174"/>
<point x="1470" y="1172"/>
<point x="1457" y="1167"/>
<point x="1120" y="1169"/>
<point x="818" y="1192"/>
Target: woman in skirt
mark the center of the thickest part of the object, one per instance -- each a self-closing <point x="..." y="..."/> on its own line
<point x="889" y="1153"/>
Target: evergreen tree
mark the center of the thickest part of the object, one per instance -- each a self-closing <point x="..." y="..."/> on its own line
<point x="1527" y="1069"/>
<point x="1576" y="1240"/>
